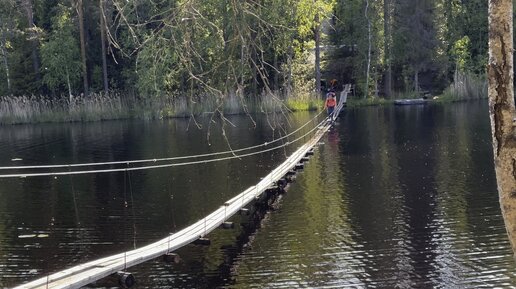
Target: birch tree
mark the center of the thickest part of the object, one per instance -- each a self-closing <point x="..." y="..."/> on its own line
<point x="368" y="67"/>
<point x="387" y="47"/>
<point x="60" y="54"/>
<point x="102" y="28"/>
<point x="33" y="37"/>
<point x="80" y="14"/>
<point x="501" y="108"/>
<point x="6" y="26"/>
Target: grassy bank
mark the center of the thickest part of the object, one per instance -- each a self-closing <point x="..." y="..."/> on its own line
<point x="467" y="86"/>
<point x="355" y="102"/>
<point x="96" y="107"/>
<point x="302" y="105"/>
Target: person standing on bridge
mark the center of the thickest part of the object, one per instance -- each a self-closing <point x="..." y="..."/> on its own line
<point x="330" y="102"/>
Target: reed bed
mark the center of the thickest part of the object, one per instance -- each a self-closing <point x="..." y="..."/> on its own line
<point x="466" y="86"/>
<point x="98" y="107"/>
<point x="30" y="109"/>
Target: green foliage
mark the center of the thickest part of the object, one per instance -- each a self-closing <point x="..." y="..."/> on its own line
<point x="415" y="41"/>
<point x="461" y="51"/>
<point x="301" y="105"/>
<point x="420" y="41"/>
<point x="60" y="56"/>
<point x="155" y="69"/>
<point x="351" y="35"/>
<point x="473" y="23"/>
<point x="186" y="48"/>
<point x="221" y="52"/>
<point x="307" y="10"/>
<point x="303" y="77"/>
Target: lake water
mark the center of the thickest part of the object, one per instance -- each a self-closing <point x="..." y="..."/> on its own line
<point x="394" y="197"/>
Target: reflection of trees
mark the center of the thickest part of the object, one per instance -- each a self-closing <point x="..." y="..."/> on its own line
<point x="384" y="200"/>
<point x="399" y="201"/>
<point x="416" y="157"/>
<point x="454" y="167"/>
<point x="337" y="215"/>
<point x="312" y="227"/>
<point x="372" y="186"/>
<point x="466" y="185"/>
<point x="101" y="223"/>
<point x="452" y="170"/>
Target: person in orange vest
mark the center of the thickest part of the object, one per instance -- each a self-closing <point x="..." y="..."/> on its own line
<point x="330" y="102"/>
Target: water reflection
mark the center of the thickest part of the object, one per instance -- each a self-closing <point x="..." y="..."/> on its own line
<point x="87" y="216"/>
<point x="408" y="200"/>
<point x="393" y="198"/>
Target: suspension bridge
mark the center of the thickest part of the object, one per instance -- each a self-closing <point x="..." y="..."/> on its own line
<point x="89" y="272"/>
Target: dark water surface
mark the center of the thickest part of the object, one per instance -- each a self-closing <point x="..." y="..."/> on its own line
<point x="396" y="197"/>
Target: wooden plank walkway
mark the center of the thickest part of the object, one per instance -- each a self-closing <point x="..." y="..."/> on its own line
<point x="84" y="274"/>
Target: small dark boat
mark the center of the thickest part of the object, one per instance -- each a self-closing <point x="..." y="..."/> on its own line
<point x="410" y="101"/>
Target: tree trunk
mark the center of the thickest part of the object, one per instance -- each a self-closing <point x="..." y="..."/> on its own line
<point x="254" y="86"/>
<point x="501" y="109"/>
<point x="289" y="74"/>
<point x="387" y="47"/>
<point x="376" y="87"/>
<point x="103" y="44"/>
<point x="80" y="13"/>
<point x="6" y="66"/>
<point x="33" y="40"/>
<point x="366" y="90"/>
<point x="416" y="81"/>
<point x="6" y="61"/>
<point x="276" y="73"/>
<point x="242" y="68"/>
<point x="317" y="34"/>
<point x="69" y="85"/>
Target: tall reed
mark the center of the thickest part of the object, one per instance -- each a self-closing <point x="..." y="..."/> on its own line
<point x="28" y="109"/>
<point x="95" y="107"/>
<point x="466" y="86"/>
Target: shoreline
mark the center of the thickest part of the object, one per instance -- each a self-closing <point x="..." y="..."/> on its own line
<point x="35" y="110"/>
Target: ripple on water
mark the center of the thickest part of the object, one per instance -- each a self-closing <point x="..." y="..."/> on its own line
<point x="393" y="198"/>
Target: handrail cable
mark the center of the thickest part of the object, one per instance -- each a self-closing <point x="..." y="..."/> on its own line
<point x="158" y="159"/>
<point x="161" y="166"/>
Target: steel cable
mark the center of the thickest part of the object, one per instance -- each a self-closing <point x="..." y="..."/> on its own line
<point x="234" y="156"/>
<point x="157" y="159"/>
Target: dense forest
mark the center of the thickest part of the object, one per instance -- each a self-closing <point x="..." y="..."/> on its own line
<point x="193" y="49"/>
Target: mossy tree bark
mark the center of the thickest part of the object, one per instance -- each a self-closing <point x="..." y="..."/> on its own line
<point x="501" y="109"/>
